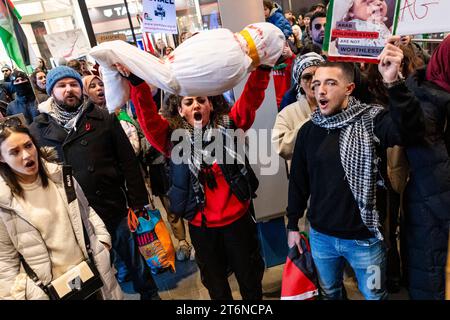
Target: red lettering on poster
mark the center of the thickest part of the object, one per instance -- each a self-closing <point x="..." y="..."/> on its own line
<point x="415" y="10"/>
<point x="337" y="33"/>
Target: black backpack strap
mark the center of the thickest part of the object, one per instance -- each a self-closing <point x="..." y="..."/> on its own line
<point x="33" y="276"/>
<point x="71" y="196"/>
<point x="69" y="187"/>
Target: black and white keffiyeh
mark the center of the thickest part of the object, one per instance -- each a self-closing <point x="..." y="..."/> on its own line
<point x="358" y="155"/>
<point x="199" y="139"/>
<point x="66" y="119"/>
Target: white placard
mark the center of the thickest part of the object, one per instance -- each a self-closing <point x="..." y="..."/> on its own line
<point x="159" y="16"/>
<point x="423" y="16"/>
<point x="68" y="44"/>
<point x="357" y="31"/>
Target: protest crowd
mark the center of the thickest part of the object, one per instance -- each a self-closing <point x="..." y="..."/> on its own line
<point x="89" y="162"/>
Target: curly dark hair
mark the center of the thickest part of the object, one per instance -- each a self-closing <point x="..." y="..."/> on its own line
<point x="169" y="110"/>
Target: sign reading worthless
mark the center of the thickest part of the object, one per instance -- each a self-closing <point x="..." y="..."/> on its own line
<point x="423" y="16"/>
<point x="357" y="30"/>
<point x="159" y="16"/>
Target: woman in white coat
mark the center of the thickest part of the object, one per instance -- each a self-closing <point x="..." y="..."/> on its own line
<point x="40" y="224"/>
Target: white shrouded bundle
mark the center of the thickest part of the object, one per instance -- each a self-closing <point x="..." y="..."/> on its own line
<point x="207" y="64"/>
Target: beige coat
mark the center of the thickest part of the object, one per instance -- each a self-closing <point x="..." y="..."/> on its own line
<point x="287" y="124"/>
<point x="17" y="235"/>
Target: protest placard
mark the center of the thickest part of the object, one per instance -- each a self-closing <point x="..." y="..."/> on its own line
<point x="423" y="16"/>
<point x="159" y="16"/>
<point x="68" y="44"/>
<point x="357" y="30"/>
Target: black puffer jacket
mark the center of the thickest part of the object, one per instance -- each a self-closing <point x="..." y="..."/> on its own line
<point x="102" y="159"/>
<point x="428" y="194"/>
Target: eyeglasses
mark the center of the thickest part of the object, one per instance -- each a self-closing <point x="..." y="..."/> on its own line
<point x="319" y="26"/>
<point x="13" y="122"/>
<point x="306" y="77"/>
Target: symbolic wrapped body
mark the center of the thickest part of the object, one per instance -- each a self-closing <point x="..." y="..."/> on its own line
<point x="209" y="63"/>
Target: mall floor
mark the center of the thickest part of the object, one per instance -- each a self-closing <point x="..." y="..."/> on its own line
<point x="185" y="284"/>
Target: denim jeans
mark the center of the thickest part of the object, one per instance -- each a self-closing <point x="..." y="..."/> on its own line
<point x="366" y="257"/>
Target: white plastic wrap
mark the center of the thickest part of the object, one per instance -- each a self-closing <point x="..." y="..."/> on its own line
<point x="206" y="64"/>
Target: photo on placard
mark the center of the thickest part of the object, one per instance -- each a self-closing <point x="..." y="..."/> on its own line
<point x="357" y="29"/>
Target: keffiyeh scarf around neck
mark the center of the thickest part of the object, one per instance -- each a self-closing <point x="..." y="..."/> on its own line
<point x="64" y="118"/>
<point x="199" y="140"/>
<point x="358" y="155"/>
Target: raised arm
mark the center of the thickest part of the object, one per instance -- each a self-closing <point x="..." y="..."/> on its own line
<point x="156" y="129"/>
<point x="244" y="110"/>
<point x="406" y="119"/>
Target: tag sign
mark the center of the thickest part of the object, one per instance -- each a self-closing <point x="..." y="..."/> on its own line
<point x="159" y="16"/>
<point x="423" y="16"/>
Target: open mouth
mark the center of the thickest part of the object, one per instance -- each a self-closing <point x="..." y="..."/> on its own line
<point x="323" y="103"/>
<point x="30" y="164"/>
<point x="101" y="95"/>
<point x="198" y="116"/>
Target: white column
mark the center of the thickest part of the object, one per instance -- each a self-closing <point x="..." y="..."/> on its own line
<point x="272" y="191"/>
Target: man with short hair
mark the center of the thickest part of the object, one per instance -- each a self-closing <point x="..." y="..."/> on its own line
<point x="25" y="101"/>
<point x="336" y="167"/>
<point x="6" y="71"/>
<point x="317" y="28"/>
<point x="103" y="161"/>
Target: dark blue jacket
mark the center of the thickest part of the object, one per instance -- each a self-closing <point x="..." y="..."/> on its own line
<point x="181" y="193"/>
<point x="289" y="98"/>
<point x="25" y="105"/>
<point x="427" y="211"/>
<point x="277" y="18"/>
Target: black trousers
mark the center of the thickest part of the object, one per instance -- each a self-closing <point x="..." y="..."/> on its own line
<point x="234" y="247"/>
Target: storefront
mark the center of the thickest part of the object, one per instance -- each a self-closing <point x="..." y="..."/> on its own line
<point x="114" y="20"/>
<point x="53" y="26"/>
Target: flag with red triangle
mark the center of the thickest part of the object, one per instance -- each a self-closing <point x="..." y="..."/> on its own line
<point x="299" y="280"/>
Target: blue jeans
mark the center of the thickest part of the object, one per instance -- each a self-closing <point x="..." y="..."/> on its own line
<point x="367" y="258"/>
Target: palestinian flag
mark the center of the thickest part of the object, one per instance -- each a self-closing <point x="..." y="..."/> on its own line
<point x="12" y="35"/>
<point x="299" y="280"/>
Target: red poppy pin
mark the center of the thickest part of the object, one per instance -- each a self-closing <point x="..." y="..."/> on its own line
<point x="88" y="126"/>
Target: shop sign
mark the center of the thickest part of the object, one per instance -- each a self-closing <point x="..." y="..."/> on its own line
<point x="111" y="37"/>
<point x="113" y="12"/>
